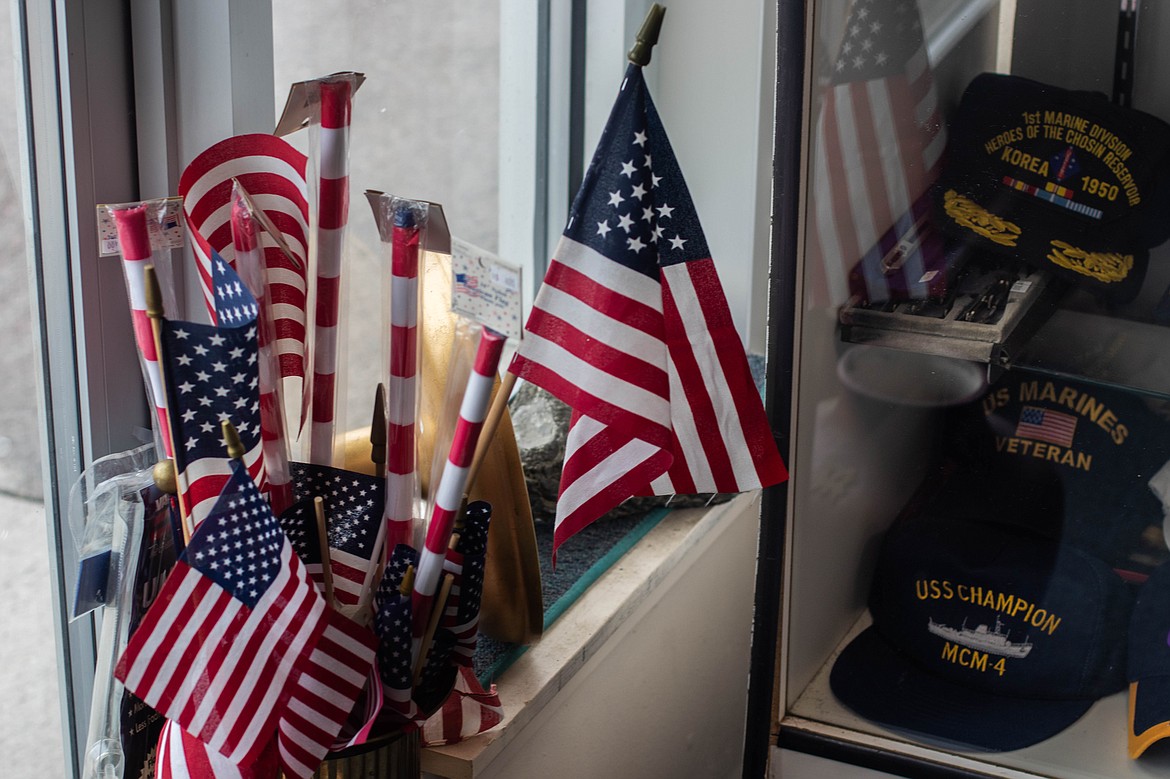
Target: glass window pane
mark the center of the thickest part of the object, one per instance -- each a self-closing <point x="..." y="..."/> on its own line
<point x="28" y="662"/>
<point x="425" y="125"/>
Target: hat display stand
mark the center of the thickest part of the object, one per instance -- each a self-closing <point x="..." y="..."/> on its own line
<point x="987" y="320"/>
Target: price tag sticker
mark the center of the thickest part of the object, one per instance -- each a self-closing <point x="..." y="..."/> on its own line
<point x="486" y="289"/>
<point x="164" y="224"/>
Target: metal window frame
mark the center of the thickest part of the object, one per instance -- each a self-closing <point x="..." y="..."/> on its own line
<point x="104" y="120"/>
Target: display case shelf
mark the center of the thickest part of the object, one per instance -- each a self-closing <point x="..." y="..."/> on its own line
<point x="1093" y="747"/>
<point x="1120" y="353"/>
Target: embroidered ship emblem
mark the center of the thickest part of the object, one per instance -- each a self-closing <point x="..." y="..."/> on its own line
<point x="993" y="641"/>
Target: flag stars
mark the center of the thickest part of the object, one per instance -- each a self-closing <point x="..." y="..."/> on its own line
<point x="603" y="228"/>
<point x="677" y="242"/>
<point x="665" y="210"/>
<point x="625" y="223"/>
<point x="635" y="244"/>
<point x="616" y="199"/>
<point x="628" y="169"/>
<point x="639" y="191"/>
<point x="639" y="138"/>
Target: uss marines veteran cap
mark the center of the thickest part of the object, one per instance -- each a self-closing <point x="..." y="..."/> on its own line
<point x="984" y="635"/>
<point x="1066" y="181"/>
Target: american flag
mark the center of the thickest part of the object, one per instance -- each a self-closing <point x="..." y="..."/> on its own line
<point x="212" y="376"/>
<point x="182" y="756"/>
<point x="466" y="562"/>
<point x="878" y="142"/>
<point x="239" y="647"/>
<point x="392" y="624"/>
<point x="467" y="711"/>
<point x="1042" y="424"/>
<point x="632" y="330"/>
<point x="353" y="512"/>
<point x="273" y="173"/>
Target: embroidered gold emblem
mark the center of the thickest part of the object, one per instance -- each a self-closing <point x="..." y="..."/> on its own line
<point x="967" y="213"/>
<point x="1106" y="267"/>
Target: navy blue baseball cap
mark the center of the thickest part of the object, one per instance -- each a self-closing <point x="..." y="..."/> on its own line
<point x="1149" y="663"/>
<point x="1068" y="458"/>
<point x="986" y="636"/>
<point x="1064" y="180"/>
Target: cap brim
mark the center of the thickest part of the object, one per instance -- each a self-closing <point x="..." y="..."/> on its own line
<point x="1149" y="713"/>
<point x="878" y="683"/>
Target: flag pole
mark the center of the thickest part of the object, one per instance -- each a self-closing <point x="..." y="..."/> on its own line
<point x="323" y="547"/>
<point x="490" y="423"/>
<point x="433" y="624"/>
<point x="154" y="311"/>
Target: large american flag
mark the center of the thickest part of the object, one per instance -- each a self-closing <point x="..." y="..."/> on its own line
<point x="273" y="174"/>
<point x="212" y="375"/>
<point x="878" y="142"/>
<point x="632" y="330"/>
<point x="239" y="647"/>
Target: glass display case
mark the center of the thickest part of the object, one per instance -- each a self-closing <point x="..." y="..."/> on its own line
<point x="964" y="575"/>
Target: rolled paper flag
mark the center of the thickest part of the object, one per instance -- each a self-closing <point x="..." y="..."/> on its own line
<point x="332" y="215"/>
<point x="401" y="468"/>
<point x="134" y="241"/>
<point x="453" y="481"/>
<point x="251" y="266"/>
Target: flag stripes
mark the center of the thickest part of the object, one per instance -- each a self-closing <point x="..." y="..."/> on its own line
<point x="273" y="174"/>
<point x="332" y="214"/>
<point x="331" y="680"/>
<point x="453" y="481"/>
<point x="878" y="144"/>
<point x="206" y="661"/>
<point x="402" y="407"/>
<point x="468" y="710"/>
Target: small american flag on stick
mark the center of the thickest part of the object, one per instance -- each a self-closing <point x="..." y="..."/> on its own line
<point x="212" y="376"/>
<point x="632" y="330"/>
<point x="239" y="647"/>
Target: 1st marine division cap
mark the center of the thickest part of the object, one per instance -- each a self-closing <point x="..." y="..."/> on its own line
<point x="1063" y="180"/>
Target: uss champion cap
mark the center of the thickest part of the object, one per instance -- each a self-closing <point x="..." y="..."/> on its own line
<point x="1063" y="180"/>
<point x="1149" y="664"/>
<point x="984" y="635"/>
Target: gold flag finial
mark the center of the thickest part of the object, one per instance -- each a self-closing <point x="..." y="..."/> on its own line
<point x="647" y="36"/>
<point x="235" y="448"/>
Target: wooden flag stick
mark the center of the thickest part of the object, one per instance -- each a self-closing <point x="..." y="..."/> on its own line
<point x="366" y="601"/>
<point x="323" y="545"/>
<point x="490" y="423"/>
<point x="433" y="624"/>
<point x="154" y="311"/>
